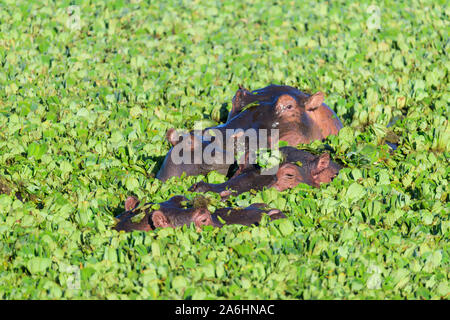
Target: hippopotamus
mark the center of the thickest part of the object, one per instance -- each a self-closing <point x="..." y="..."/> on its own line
<point x="298" y="166"/>
<point x="295" y="116"/>
<point x="320" y="114"/>
<point x="171" y="213"/>
<point x="175" y="213"/>
<point x="190" y="146"/>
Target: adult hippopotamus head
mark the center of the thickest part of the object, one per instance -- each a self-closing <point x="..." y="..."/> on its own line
<point x="320" y="114"/>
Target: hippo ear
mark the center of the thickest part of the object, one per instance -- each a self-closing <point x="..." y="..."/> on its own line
<point x="160" y="220"/>
<point x="131" y="203"/>
<point x="288" y="176"/>
<point x="322" y="163"/>
<point x="172" y="136"/>
<point x="314" y="101"/>
<point x="285" y="103"/>
<point x="241" y="98"/>
<point x="273" y="212"/>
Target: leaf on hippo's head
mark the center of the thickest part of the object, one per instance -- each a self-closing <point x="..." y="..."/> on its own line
<point x="186" y="204"/>
<point x="221" y="220"/>
<point x="251" y="105"/>
<point x="138" y="217"/>
<point x="200" y="201"/>
<point x="269" y="158"/>
<point x="145" y="206"/>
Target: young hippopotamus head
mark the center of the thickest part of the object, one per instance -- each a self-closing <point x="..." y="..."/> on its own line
<point x="186" y="156"/>
<point x="299" y="166"/>
<point x="322" y="168"/>
<point x="251" y="215"/>
<point x="171" y="213"/>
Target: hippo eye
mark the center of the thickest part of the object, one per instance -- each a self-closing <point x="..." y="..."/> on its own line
<point x="204" y="219"/>
<point x="289" y="107"/>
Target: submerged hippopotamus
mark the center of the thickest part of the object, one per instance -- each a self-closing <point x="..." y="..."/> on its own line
<point x="174" y="213"/>
<point x="170" y="213"/>
<point x="295" y="116"/>
<point x="298" y="166"/>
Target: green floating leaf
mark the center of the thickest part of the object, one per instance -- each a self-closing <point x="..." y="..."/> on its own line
<point x="355" y="192"/>
<point x="38" y="265"/>
<point x="286" y="227"/>
<point x="132" y="183"/>
<point x="138" y="217"/>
